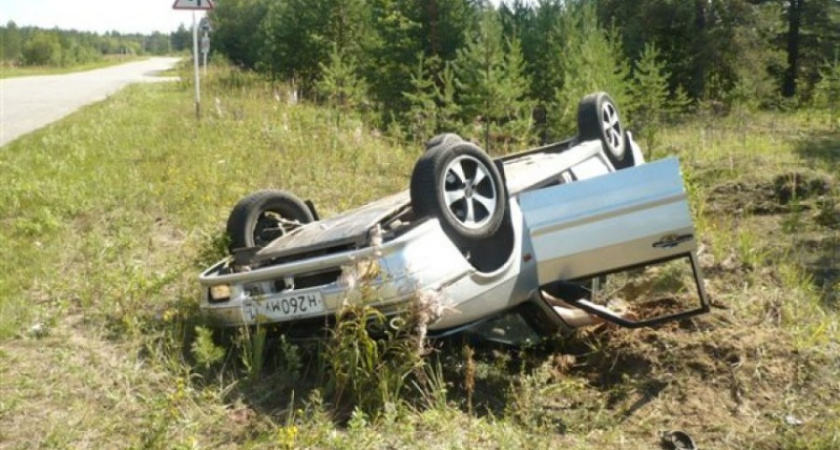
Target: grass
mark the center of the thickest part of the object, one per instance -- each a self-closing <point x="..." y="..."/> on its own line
<point x="7" y="71"/>
<point x="108" y="216"/>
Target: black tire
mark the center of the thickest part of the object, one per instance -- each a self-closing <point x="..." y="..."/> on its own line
<point x="442" y="186"/>
<point x="443" y="140"/>
<point x="598" y="118"/>
<point x="263" y="216"/>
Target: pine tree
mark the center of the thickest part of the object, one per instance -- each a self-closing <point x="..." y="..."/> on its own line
<point x="515" y="119"/>
<point x="423" y="112"/>
<point x="448" y="108"/>
<point x="392" y="54"/>
<point x="297" y="37"/>
<point x="592" y="61"/>
<point x="649" y="95"/>
<point x="343" y="89"/>
<point x="542" y="45"/>
<point x="490" y="80"/>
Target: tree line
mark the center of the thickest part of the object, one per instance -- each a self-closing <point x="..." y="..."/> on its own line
<point x="34" y="46"/>
<point x="430" y="65"/>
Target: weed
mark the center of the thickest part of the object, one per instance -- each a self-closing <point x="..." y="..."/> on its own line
<point x="469" y="376"/>
<point x="286" y="437"/>
<point x="292" y="362"/>
<point x="432" y="387"/>
<point x="204" y="349"/>
<point x="251" y="345"/>
<point x="750" y="249"/>
<point x="533" y="395"/>
<point x="364" y="371"/>
<point x="793" y="222"/>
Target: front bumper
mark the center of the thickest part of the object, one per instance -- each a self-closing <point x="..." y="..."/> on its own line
<point x="388" y="276"/>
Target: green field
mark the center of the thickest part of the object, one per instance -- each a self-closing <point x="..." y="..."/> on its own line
<point x="7" y="71"/>
<point x="108" y="216"/>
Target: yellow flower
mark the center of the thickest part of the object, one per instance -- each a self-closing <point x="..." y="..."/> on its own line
<point x="169" y="314"/>
<point x="286" y="436"/>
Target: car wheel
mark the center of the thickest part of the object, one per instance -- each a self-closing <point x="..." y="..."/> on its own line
<point x="263" y="216"/>
<point x="443" y="140"/>
<point x="598" y="118"/>
<point x="460" y="185"/>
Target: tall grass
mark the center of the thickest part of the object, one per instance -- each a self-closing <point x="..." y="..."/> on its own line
<point x="108" y="216"/>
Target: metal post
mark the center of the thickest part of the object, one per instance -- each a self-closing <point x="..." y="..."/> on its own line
<point x="195" y="61"/>
<point x="204" y="57"/>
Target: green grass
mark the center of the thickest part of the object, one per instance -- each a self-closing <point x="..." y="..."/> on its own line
<point x="107" y="217"/>
<point x="7" y="71"/>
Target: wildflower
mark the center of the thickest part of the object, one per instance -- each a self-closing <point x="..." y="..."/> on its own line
<point x="429" y="306"/>
<point x="376" y="237"/>
<point x="349" y="277"/>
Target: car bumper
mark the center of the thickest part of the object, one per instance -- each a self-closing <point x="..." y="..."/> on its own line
<point x="388" y="277"/>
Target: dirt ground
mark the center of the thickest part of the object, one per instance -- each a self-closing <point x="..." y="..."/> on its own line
<point x="760" y="371"/>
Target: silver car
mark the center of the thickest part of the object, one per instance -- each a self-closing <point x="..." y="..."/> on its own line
<point x="473" y="238"/>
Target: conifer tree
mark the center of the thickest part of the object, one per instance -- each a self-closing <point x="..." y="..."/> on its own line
<point x="448" y="108"/>
<point x="298" y="37"/>
<point x="649" y="94"/>
<point x="827" y="91"/>
<point x="592" y="61"/>
<point x="340" y="84"/>
<point x="680" y="103"/>
<point x="490" y="80"/>
<point x="537" y="27"/>
<point x="515" y="110"/>
<point x="392" y="54"/>
<point x="422" y="114"/>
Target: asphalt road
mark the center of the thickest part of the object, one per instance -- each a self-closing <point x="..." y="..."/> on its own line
<point x="29" y="103"/>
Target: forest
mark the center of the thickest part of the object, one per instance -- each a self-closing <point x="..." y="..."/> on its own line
<point x="34" y="46"/>
<point x="515" y="70"/>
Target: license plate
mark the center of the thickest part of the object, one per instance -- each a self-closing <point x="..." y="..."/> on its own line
<point x="284" y="307"/>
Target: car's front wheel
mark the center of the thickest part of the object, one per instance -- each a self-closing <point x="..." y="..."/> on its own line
<point x="263" y="216"/>
<point x="460" y="185"/>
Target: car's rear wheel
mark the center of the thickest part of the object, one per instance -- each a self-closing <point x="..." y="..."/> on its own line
<point x="263" y="216"/>
<point x="598" y="118"/>
<point x="460" y="185"/>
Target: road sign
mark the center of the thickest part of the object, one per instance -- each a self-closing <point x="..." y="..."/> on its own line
<point x="205" y="44"/>
<point x="204" y="25"/>
<point x="193" y="4"/>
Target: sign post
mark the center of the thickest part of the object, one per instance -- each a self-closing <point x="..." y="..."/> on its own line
<point x="195" y="5"/>
<point x="205" y="49"/>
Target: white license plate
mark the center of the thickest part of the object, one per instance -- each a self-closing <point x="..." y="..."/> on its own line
<point x="284" y="307"/>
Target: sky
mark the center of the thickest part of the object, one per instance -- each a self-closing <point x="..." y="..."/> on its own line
<point x="125" y="16"/>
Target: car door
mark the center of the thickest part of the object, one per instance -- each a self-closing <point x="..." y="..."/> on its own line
<point x="632" y="217"/>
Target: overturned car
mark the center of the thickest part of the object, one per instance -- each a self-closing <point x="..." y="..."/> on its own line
<point x="538" y="234"/>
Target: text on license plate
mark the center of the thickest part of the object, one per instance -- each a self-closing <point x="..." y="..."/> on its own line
<point x="286" y="306"/>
